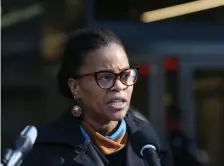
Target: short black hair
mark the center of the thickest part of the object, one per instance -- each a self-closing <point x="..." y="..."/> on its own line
<point x="77" y="46"/>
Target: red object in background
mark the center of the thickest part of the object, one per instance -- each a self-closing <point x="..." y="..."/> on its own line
<point x="171" y="64"/>
<point x="144" y="69"/>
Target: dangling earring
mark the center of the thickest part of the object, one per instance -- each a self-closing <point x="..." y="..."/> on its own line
<point x="76" y="109"/>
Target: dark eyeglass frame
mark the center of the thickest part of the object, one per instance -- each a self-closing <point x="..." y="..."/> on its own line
<point x="117" y="76"/>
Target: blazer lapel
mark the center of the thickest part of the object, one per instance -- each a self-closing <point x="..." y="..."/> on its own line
<point x="132" y="159"/>
<point x="87" y="155"/>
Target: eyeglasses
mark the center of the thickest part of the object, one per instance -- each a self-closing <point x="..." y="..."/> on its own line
<point x="107" y="79"/>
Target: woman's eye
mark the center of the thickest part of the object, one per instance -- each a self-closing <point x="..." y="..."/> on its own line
<point x="125" y="75"/>
<point x="105" y="77"/>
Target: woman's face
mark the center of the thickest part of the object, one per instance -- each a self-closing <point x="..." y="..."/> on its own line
<point x="103" y="104"/>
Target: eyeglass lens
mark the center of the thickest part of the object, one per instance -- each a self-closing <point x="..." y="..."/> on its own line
<point x="107" y="79"/>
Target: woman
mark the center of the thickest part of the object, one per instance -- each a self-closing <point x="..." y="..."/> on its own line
<point x="96" y="74"/>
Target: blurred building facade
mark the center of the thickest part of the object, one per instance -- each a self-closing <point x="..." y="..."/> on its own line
<point x="182" y="63"/>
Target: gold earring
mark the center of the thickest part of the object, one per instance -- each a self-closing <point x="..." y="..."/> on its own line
<point x="76" y="109"/>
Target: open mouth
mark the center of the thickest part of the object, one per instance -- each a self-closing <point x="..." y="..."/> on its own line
<point x="117" y="103"/>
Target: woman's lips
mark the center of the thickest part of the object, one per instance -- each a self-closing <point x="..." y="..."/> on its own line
<point x="117" y="104"/>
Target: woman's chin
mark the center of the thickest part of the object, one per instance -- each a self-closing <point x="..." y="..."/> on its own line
<point x="118" y="116"/>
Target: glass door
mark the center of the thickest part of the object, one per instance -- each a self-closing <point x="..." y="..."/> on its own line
<point x="202" y="102"/>
<point x="209" y="111"/>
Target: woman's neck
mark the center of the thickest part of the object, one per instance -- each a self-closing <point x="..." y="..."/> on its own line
<point x="107" y="128"/>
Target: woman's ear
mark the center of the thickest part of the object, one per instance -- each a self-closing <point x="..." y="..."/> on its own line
<point x="74" y="87"/>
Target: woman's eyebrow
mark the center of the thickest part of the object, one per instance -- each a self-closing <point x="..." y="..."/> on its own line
<point x="112" y="70"/>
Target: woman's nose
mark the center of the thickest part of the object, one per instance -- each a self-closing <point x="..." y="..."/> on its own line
<point x="118" y="85"/>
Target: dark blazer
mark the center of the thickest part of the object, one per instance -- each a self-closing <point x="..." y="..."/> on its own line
<point x="61" y="143"/>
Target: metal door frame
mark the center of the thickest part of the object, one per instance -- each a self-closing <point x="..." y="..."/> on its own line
<point x="192" y="56"/>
